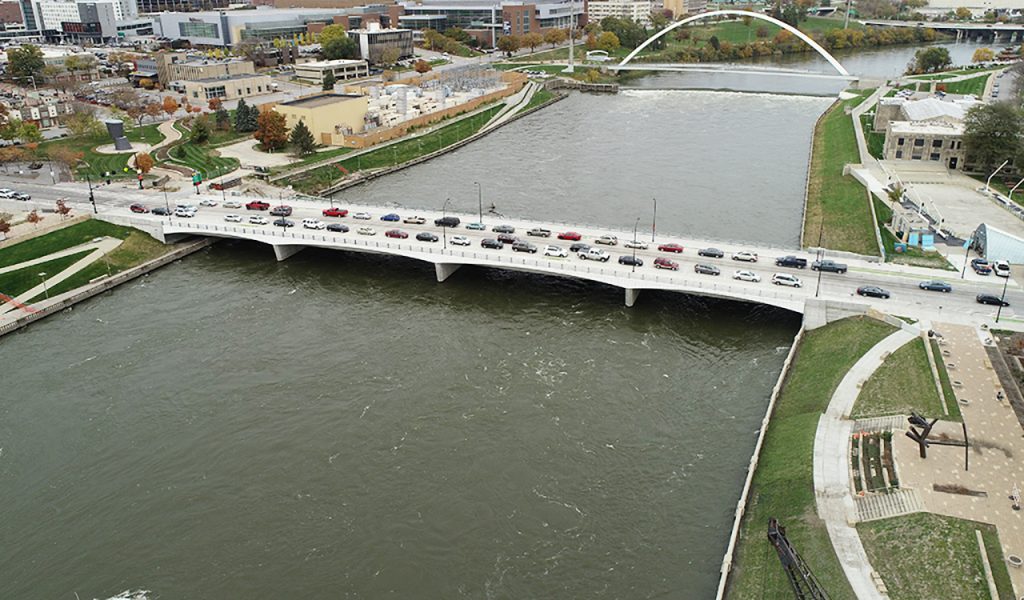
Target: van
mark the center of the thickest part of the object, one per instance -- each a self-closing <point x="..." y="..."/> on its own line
<point x="786" y="279"/>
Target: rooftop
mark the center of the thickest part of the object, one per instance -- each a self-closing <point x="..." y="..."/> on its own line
<point x="325" y="64"/>
<point x="320" y="100"/>
<point x="230" y="78"/>
<point x="926" y="128"/>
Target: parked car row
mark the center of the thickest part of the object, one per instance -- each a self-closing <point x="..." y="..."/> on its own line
<point x="14" y="195"/>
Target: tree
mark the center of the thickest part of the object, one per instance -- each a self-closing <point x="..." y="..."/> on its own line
<point x="715" y="43"/>
<point x="433" y="40"/>
<point x="329" y="81"/>
<point x="390" y="56"/>
<point x="245" y="117"/>
<point x="62" y="208"/>
<point x="29" y="133"/>
<point x="222" y="119"/>
<point x="143" y="162"/>
<point x="335" y="43"/>
<point x="170" y="105"/>
<point x="26" y="61"/>
<point x="963" y="13"/>
<point x="80" y="62"/>
<point x="53" y="73"/>
<point x="200" y="130"/>
<point x="983" y="55"/>
<point x="271" y="130"/>
<point x="215" y="104"/>
<point x="508" y="44"/>
<point x="422" y="66"/>
<point x="930" y="60"/>
<point x="555" y="36"/>
<point x="154" y="110"/>
<point x="608" y="41"/>
<point x="992" y="134"/>
<point x="64" y="155"/>
<point x="302" y="140"/>
<point x="123" y="62"/>
<point x="4" y="228"/>
<point x="34" y="217"/>
<point x="532" y="40"/>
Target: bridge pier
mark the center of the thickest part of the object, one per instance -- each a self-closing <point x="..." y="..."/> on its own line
<point x="283" y="252"/>
<point x="631" y="296"/>
<point x="445" y="270"/>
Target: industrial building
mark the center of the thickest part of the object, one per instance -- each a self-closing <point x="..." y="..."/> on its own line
<point x="329" y="117"/>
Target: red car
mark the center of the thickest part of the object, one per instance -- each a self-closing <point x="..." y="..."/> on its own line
<point x="335" y="212"/>
<point x="138" y="208"/>
<point x="570" y="235"/>
<point x="670" y="248"/>
<point x="664" y="263"/>
<point x="257" y="205"/>
<point x="396" y="233"/>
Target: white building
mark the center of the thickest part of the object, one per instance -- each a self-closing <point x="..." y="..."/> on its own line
<point x="636" y="10"/>
<point x="51" y="13"/>
<point x="343" y="69"/>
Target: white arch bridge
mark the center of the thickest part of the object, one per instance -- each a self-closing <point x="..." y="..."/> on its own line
<point x="626" y="65"/>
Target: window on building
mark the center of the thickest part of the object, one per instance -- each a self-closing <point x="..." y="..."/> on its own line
<point x="915" y="157"/>
<point x="195" y="94"/>
<point x="936" y="143"/>
<point x="198" y="29"/>
<point x="918" y="143"/>
<point x="933" y="156"/>
<point x="899" y="154"/>
<point x="215" y="92"/>
<point x="899" y="142"/>
<point x="248" y="91"/>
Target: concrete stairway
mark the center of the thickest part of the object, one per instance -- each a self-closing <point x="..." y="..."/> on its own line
<point x="891" y="423"/>
<point x="881" y="506"/>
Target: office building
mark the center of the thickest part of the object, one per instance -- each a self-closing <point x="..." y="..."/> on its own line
<point x="230" y="87"/>
<point x="342" y="69"/>
<point x="487" y="20"/>
<point x="681" y="8"/>
<point x="634" y="10"/>
<point x="373" y="41"/>
<point x="185" y="66"/>
<point x="227" y="28"/>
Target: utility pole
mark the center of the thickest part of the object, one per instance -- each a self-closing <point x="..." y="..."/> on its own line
<point x="572" y="36"/>
<point x="480" y="199"/>
<point x="654" y="221"/>
<point x="1002" y="299"/>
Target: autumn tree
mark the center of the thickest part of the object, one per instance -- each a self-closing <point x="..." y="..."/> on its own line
<point x="83" y="121"/>
<point x="64" y="155"/>
<point x="271" y="130"/>
<point x="390" y="56"/>
<point x="508" y="44"/>
<point x="4" y="228"/>
<point x="555" y="36"/>
<point x="34" y="217"/>
<point x="335" y="43"/>
<point x="215" y="103"/>
<point x="302" y="140"/>
<point x="963" y="13"/>
<point x="608" y="41"/>
<point x="62" y="208"/>
<point x="422" y="66"/>
<point x="143" y="162"/>
<point x="170" y="105"/>
<point x="154" y="110"/>
<point x="983" y="55"/>
<point x="532" y="40"/>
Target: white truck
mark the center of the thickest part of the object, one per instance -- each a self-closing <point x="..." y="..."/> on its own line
<point x="595" y="254"/>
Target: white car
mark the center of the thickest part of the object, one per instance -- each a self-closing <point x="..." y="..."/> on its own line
<point x="233" y="218"/>
<point x="1001" y="268"/>
<point x="745" y="256"/>
<point x="556" y="251"/>
<point x="747" y="276"/>
<point x="258" y="220"/>
<point x="414" y="220"/>
<point x="636" y="244"/>
<point x="6" y="192"/>
<point x="367" y="231"/>
<point x="313" y="224"/>
<point x="365" y="216"/>
<point x="786" y="279"/>
<point x="460" y="240"/>
<point x="608" y="240"/>
<point x="232" y="204"/>
<point x="206" y="202"/>
<point x="184" y="212"/>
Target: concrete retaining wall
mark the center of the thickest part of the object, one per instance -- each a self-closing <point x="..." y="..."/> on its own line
<point x="819" y="312"/>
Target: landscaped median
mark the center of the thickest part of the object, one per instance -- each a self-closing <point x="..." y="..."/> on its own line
<point x="783" y="484"/>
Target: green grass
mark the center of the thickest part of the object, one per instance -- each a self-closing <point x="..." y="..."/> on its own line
<point x="875" y="140"/>
<point x="947" y="388"/>
<point x="901" y="385"/>
<point x="20" y="281"/>
<point x="202" y="158"/>
<point x="317" y="179"/>
<point x="325" y="154"/>
<point x="925" y="555"/>
<point x="539" y="97"/>
<point x="61" y="239"/>
<point x="956" y="73"/>
<point x="783" y="484"/>
<point x="912" y="256"/>
<point x="974" y="85"/>
<point x="837" y="205"/>
<point x="102" y="163"/>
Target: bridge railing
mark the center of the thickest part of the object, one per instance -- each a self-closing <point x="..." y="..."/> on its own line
<point x="673" y="279"/>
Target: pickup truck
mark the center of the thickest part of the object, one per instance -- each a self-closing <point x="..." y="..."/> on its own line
<point x="791" y="261"/>
<point x="539" y="232"/>
<point x="829" y="266"/>
<point x="257" y="205"/>
<point x="594" y="254"/>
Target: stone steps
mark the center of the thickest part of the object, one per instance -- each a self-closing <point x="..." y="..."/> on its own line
<point x="881" y="506"/>
<point x="890" y="423"/>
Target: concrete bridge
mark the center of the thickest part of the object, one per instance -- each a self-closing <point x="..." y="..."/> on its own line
<point x="821" y="298"/>
<point x="993" y="32"/>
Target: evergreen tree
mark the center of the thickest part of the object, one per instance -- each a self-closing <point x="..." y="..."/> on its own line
<point x="302" y="140"/>
<point x="329" y="81"/>
<point x="223" y="119"/>
<point x="242" y="116"/>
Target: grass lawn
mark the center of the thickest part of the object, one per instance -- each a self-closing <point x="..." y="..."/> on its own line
<point x="912" y="256"/>
<point x="317" y="179"/>
<point x="202" y="158"/>
<point x="902" y="384"/>
<point x="947" y="388"/>
<point x="59" y="240"/>
<point x="974" y="85"/>
<point x="875" y="141"/>
<point x="103" y="163"/>
<point x="931" y="556"/>
<point x="324" y="154"/>
<point x="22" y="280"/>
<point x="783" y="484"/>
<point x="539" y="97"/>
<point x="837" y="205"/>
<point x="137" y="248"/>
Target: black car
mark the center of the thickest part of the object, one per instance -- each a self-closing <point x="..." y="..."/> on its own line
<point x="631" y="260"/>
<point x="991" y="299"/>
<point x="523" y="246"/>
<point x="284" y="223"/>
<point x="579" y="247"/>
<point x="872" y="291"/>
<point x="491" y="243"/>
<point x="161" y="211"/>
<point x="337" y="227"/>
<point x="503" y="229"/>
<point x="706" y="269"/>
<point x="507" y="239"/>
<point x="447" y="222"/>
<point x="426" y="236"/>
<point x="935" y="286"/>
<point x="36" y="166"/>
<point x="711" y="253"/>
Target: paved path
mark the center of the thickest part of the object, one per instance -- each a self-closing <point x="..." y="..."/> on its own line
<point x="836" y="505"/>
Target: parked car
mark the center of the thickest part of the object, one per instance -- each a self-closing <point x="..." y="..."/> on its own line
<point x="629" y="259"/>
<point x="594" y="254"/>
<point x="233" y="218"/>
<point x="460" y="240"/>
<point x="207" y="202"/>
<point x="570" y="235"/>
<point x="791" y="261"/>
<point x="257" y="205"/>
<point x="258" y="220"/>
<point x="745" y="256"/>
<point x="539" y="232"/>
<point x="426" y="236"/>
<point x="786" y="279"/>
<point x="635" y="244"/>
<point x="991" y="299"/>
<point x="1002" y="268"/>
<point x="362" y="216"/>
<point x="556" y="251"/>
<point x="447" y="222"/>
<point x="337" y="228"/>
<point x="505" y="238"/>
<point x="503" y="229"/>
<point x="491" y="243"/>
<point x="746" y="276"/>
<point x="671" y="247"/>
<point x="313" y="224"/>
<point x="523" y="246"/>
<point x="664" y="263"/>
<point x="391" y="217"/>
<point x="138" y="208"/>
<point x="281" y="211"/>
<point x="706" y="269"/>
<point x="367" y="231"/>
<point x="335" y="212"/>
<point x="476" y="226"/>
<point x="282" y="222"/>
<point x="608" y="240"/>
<point x="872" y="291"/>
<point x="981" y="266"/>
<point x="828" y="266"/>
<point x="711" y="253"/>
<point x="935" y="286"/>
<point x="396" y="233"/>
<point x="232" y="204"/>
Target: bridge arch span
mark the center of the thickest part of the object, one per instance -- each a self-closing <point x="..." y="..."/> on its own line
<point x="742" y="13"/>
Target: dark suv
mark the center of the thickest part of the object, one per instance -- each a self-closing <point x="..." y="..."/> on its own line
<point x="706" y="269"/>
<point x="491" y="243"/>
<point x="711" y="252"/>
<point x="523" y="246"/>
<point x="447" y="222"/>
<point x="503" y="229"/>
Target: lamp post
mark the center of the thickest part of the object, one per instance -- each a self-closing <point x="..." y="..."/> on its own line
<point x="1015" y="188"/>
<point x="167" y="203"/>
<point x="42" y="278"/>
<point x="1002" y="298"/>
<point x="967" y="251"/>
<point x="223" y="194"/>
<point x="480" y="199"/>
<point x="821" y="254"/>
<point x="444" y="223"/>
<point x="654" y="221"/>
<point x="92" y="197"/>
<point x="989" y="180"/>
<point x="635" y="225"/>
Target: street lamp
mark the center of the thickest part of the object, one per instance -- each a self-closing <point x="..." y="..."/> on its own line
<point x="92" y="197"/>
<point x="1002" y="299"/>
<point x="635" y="225"/>
<point x="989" y="180"/>
<point x="654" y="221"/>
<point x="444" y="222"/>
<point x="42" y="278"/>
<point x="1015" y="188"/>
<point x="223" y="194"/>
<point x="480" y="200"/>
